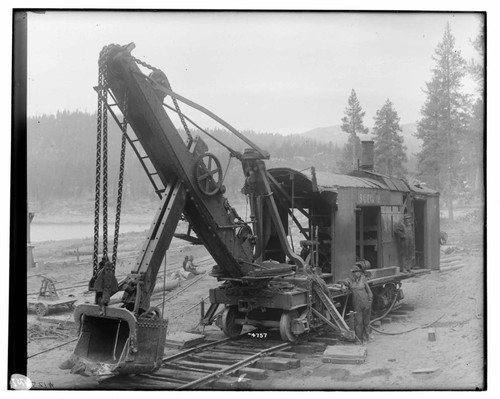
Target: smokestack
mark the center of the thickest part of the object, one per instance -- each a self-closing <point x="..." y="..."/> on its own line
<point x="367" y="155"/>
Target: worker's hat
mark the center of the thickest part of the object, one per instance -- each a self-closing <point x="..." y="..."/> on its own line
<point x="356" y="268"/>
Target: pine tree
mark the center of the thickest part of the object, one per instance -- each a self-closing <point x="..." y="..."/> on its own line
<point x="474" y="143"/>
<point x="445" y="117"/>
<point x="352" y="124"/>
<point x="475" y="68"/>
<point x="390" y="152"/>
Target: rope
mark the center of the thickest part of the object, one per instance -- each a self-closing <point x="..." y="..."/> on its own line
<point x="410" y="330"/>
<point x="390" y="307"/>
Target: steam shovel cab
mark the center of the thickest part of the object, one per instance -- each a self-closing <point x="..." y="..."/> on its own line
<point x="353" y="218"/>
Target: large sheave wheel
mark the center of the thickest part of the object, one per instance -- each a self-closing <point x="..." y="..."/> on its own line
<point x="208" y="174"/>
<point x="286" y="325"/>
<point x="228" y="322"/>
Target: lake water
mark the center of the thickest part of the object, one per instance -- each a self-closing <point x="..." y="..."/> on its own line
<point x="64" y="231"/>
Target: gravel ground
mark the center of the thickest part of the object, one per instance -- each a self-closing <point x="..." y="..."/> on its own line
<point x="453" y="297"/>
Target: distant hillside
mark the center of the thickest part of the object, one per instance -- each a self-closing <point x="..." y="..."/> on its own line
<point x="335" y="135"/>
<point x="62" y="157"/>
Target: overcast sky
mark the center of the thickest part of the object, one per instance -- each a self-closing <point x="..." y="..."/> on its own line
<point x="284" y="72"/>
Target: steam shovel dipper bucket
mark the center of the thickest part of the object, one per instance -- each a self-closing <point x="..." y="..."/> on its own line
<point x="119" y="342"/>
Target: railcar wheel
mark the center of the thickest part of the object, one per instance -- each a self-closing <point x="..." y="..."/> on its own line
<point x="228" y="322"/>
<point x="286" y="325"/>
<point x="41" y="309"/>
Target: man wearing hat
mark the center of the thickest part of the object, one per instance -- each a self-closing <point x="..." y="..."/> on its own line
<point x="406" y="244"/>
<point x="362" y="298"/>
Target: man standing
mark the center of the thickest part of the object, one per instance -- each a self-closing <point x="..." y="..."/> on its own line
<point x="406" y="244"/>
<point x="362" y="298"/>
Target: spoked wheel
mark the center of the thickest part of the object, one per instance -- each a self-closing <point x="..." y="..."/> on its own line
<point x="228" y="322"/>
<point x="208" y="173"/>
<point x="286" y="325"/>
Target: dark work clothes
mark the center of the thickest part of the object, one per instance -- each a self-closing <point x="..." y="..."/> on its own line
<point x="406" y="243"/>
<point x="362" y="302"/>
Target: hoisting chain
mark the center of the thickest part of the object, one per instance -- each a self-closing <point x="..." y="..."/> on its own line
<point x="95" y="260"/>
<point x="174" y="100"/>
<point x="101" y="154"/>
<point x="120" y="180"/>
<point x="104" y="173"/>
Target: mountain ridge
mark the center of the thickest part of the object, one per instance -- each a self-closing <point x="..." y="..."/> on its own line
<point x="335" y="135"/>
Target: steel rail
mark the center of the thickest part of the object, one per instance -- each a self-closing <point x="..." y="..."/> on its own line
<point x="194" y="350"/>
<point x="52" y="348"/>
<point x="173" y="295"/>
<point x="232" y="368"/>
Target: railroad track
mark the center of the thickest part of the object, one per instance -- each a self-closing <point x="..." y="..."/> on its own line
<point x="223" y="364"/>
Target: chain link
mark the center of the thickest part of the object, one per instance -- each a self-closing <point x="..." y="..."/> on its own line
<point x="104" y="173"/>
<point x="120" y="181"/>
<point x="95" y="260"/>
<point x="101" y="154"/>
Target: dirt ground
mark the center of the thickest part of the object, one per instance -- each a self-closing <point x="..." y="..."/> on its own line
<point x="451" y="299"/>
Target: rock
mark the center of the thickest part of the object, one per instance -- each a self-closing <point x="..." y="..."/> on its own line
<point x="79" y="368"/>
<point x="67" y="364"/>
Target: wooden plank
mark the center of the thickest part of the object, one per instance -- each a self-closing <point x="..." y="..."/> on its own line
<point x="222" y="355"/>
<point x="326" y="340"/>
<point x="343" y="361"/>
<point x="155" y="382"/>
<point x="283" y="354"/>
<point x="183" y="375"/>
<point x="346" y="351"/>
<point x="225" y="349"/>
<point x="182" y="340"/>
<point x="202" y="359"/>
<point x="222" y="383"/>
<point x="309" y="348"/>
<point x="249" y="372"/>
<point x="382" y="272"/>
<point x="137" y="383"/>
<point x="277" y="364"/>
<point x="427" y="370"/>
